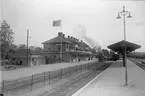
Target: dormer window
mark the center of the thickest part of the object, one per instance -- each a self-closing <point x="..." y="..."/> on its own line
<point x="49" y="49"/>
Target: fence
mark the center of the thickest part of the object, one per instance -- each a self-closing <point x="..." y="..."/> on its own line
<point x="41" y="79"/>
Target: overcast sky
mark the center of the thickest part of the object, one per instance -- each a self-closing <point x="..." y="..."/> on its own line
<point x="96" y="17"/>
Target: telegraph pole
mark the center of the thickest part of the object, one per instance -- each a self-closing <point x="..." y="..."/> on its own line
<point x="1" y="10"/>
<point x="2" y="93"/>
<point x="27" y="47"/>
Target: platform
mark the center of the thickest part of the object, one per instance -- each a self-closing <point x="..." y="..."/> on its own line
<point x="111" y="82"/>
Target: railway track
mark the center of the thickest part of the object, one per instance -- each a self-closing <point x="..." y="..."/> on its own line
<point x="27" y="84"/>
<point x="141" y="66"/>
<point x="71" y="87"/>
<point x="138" y="63"/>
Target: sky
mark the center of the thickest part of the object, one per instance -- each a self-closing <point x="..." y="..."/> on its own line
<point x="93" y="21"/>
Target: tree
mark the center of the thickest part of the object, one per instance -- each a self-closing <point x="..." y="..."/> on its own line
<point x="23" y="46"/>
<point x="6" y="38"/>
<point x="100" y="57"/>
<point x="38" y="49"/>
<point x="32" y="47"/>
<point x="112" y="52"/>
<point x="105" y="52"/>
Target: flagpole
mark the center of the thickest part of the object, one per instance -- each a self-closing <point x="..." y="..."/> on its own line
<point x="61" y="40"/>
<point x="60" y="25"/>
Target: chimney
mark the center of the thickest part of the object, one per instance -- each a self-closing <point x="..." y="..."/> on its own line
<point x="60" y="34"/>
<point x="64" y="35"/>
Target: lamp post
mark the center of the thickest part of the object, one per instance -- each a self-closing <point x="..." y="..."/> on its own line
<point x="124" y="13"/>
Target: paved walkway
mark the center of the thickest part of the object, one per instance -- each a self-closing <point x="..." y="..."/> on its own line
<point x="23" y="72"/>
<point x="111" y="82"/>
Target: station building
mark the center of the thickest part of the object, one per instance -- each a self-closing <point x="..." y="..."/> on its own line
<point x="68" y="49"/>
<point x="34" y="57"/>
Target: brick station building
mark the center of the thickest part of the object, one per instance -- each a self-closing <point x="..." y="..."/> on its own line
<point x="72" y="50"/>
<point x="34" y="57"/>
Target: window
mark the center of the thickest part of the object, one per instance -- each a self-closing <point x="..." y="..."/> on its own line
<point x="49" y="49"/>
<point x="58" y="47"/>
<point x="66" y="46"/>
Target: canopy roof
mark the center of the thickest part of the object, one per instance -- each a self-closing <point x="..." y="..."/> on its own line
<point x="119" y="46"/>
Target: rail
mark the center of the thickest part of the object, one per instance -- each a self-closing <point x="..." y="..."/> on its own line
<point x="35" y="81"/>
<point x="68" y="88"/>
<point x="138" y="62"/>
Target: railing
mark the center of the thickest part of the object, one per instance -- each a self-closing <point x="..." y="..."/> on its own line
<point x="42" y="79"/>
<point x="89" y="52"/>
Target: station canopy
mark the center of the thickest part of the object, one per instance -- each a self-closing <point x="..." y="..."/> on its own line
<point x="119" y="46"/>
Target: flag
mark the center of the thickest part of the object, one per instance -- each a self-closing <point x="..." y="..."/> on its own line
<point x="56" y="23"/>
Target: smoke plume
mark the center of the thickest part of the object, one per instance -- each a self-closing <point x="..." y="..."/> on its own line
<point x="80" y="32"/>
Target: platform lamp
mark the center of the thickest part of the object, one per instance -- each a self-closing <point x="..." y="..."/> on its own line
<point x="124" y="13"/>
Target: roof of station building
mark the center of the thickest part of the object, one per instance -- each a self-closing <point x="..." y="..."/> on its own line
<point x="57" y="40"/>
